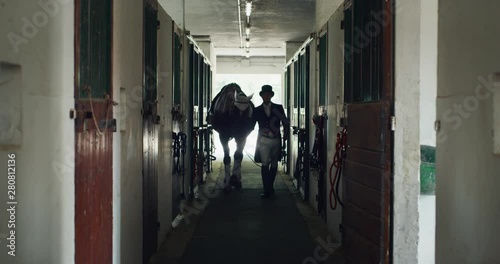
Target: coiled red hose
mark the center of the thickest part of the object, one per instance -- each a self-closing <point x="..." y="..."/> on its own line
<point x="338" y="159"/>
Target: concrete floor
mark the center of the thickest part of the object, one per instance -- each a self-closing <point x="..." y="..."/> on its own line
<point x="240" y="227"/>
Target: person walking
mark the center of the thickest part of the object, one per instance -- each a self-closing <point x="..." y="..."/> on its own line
<point x="270" y="117"/>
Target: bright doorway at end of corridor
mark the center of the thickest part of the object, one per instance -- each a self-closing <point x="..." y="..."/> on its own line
<point x="250" y="84"/>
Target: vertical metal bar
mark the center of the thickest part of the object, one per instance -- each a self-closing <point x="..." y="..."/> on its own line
<point x="348" y="56"/>
<point x="307" y="123"/>
<point x="201" y="89"/>
<point x="387" y="54"/>
<point x="191" y="80"/>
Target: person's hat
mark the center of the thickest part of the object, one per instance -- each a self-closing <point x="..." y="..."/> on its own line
<point x="266" y="89"/>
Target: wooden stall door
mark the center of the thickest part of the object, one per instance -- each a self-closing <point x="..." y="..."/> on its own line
<point x="177" y="181"/>
<point x="368" y="185"/>
<point x="150" y="131"/>
<point x="94" y="127"/>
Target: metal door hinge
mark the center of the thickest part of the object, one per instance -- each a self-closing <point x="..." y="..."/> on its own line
<point x="393" y="123"/>
<point x="437" y="125"/>
<point x="72" y="114"/>
<point x="158" y="25"/>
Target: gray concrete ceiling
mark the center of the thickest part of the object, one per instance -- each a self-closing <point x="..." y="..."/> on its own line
<point x="273" y="22"/>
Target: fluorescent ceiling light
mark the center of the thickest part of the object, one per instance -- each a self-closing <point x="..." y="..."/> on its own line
<point x="248" y="8"/>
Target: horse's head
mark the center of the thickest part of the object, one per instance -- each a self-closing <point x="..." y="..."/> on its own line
<point x="232" y="97"/>
<point x="232" y="110"/>
<point x="243" y="102"/>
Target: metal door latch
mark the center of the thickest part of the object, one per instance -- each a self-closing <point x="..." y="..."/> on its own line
<point x="80" y="115"/>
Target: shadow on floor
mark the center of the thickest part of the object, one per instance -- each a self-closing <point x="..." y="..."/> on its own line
<point x="240" y="227"/>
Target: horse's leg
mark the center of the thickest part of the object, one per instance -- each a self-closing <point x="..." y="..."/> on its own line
<point x="224" y="140"/>
<point x="238" y="158"/>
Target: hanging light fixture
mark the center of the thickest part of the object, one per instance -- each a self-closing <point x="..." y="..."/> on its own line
<point x="248" y="8"/>
<point x="248" y="11"/>
<point x="247" y="30"/>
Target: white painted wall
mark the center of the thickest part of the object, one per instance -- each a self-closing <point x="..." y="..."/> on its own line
<point x="468" y="201"/>
<point x="213" y="60"/>
<point x="313" y="106"/>
<point x="291" y="48"/>
<point x="335" y="100"/>
<point x="127" y="74"/>
<point x="211" y="53"/>
<point x="208" y="49"/>
<point x="407" y="134"/>
<point x="292" y="141"/>
<point x="175" y="9"/>
<point x="428" y="71"/>
<point x="428" y="92"/>
<point x="45" y="158"/>
<point x="253" y="65"/>
<point x="324" y="11"/>
<point x="185" y="107"/>
<point x="165" y="95"/>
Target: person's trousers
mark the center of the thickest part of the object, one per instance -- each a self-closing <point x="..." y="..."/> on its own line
<point x="269" y="150"/>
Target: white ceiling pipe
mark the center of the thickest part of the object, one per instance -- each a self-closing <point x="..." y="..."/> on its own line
<point x="239" y="23"/>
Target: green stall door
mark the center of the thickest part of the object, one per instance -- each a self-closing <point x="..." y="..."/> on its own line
<point x="428" y="170"/>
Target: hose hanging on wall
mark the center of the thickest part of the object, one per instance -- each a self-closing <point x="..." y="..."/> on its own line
<point x="317" y="158"/>
<point x="338" y="161"/>
<point x="177" y="152"/>
<point x="179" y="146"/>
<point x="183" y="140"/>
<point x="208" y="157"/>
<point x="284" y="157"/>
<point x="299" y="163"/>
<point x="195" y="154"/>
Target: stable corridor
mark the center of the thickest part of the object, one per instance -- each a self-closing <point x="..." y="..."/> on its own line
<point x="241" y="227"/>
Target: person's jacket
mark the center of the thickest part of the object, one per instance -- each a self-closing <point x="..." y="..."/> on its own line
<point x="273" y="121"/>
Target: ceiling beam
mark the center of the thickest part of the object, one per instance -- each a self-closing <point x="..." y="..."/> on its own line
<point x="263" y="52"/>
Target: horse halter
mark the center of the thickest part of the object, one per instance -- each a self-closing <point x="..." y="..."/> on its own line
<point x="241" y="101"/>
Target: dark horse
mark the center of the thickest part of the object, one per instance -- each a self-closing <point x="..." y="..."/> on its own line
<point x="231" y="116"/>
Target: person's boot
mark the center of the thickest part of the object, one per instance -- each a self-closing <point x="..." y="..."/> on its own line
<point x="272" y="177"/>
<point x="265" y="181"/>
